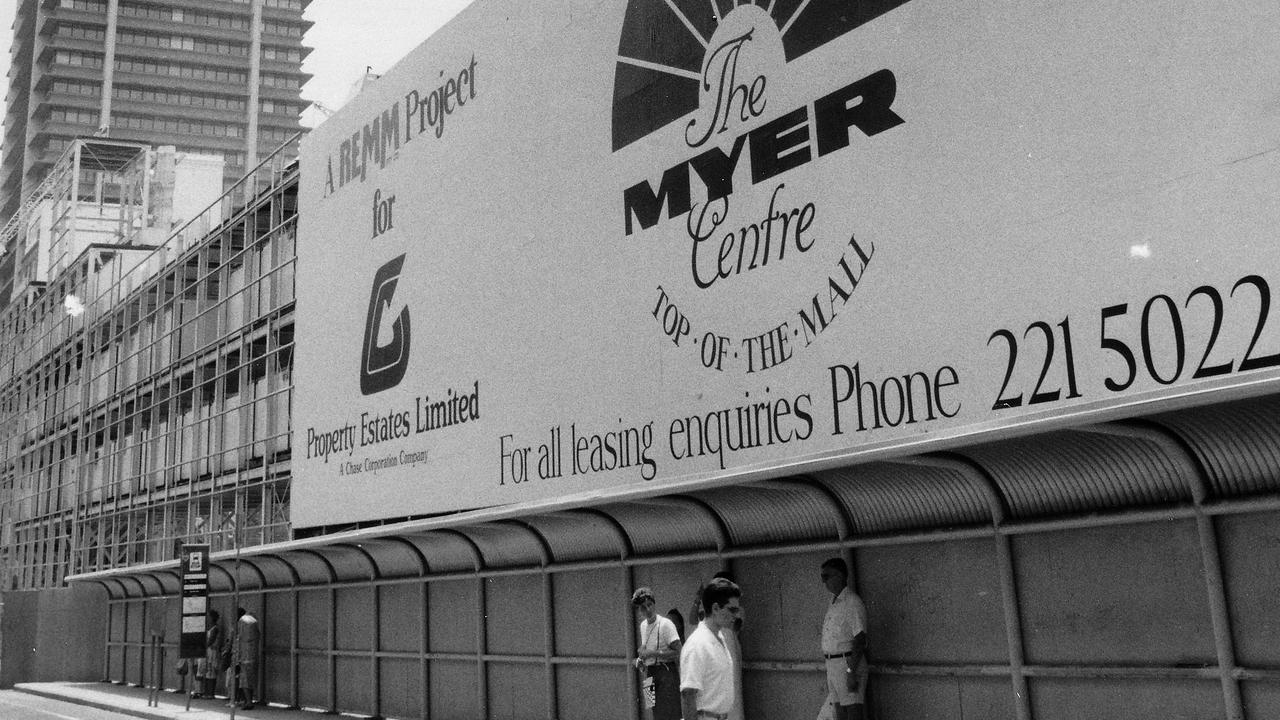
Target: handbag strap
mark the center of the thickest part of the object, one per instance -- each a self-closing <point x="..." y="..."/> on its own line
<point x="652" y="626"/>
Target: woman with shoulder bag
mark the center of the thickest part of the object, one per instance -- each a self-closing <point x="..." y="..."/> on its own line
<point x="210" y="665"/>
<point x="657" y="657"/>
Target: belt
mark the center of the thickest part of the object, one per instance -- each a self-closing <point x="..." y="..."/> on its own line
<point x="713" y="715"/>
<point x="833" y="656"/>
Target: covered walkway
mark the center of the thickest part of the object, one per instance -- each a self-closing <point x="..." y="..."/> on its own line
<point x="1125" y="569"/>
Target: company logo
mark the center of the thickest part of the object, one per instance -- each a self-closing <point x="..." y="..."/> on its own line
<point x="382" y="366"/>
<point x="664" y="43"/>
<point x="768" y="179"/>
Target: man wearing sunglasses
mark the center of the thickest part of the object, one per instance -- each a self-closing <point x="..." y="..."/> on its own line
<point x="707" y="674"/>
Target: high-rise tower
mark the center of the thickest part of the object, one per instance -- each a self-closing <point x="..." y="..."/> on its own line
<point x="220" y="77"/>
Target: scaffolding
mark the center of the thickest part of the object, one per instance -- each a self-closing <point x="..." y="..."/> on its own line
<point x="157" y="413"/>
<point x="98" y="192"/>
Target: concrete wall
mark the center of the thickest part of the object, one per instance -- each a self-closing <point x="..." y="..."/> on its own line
<point x="52" y="635"/>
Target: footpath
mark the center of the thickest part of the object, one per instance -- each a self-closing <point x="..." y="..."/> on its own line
<point x="172" y="706"/>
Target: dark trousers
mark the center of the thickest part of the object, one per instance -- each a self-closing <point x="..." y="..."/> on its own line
<point x="666" y="690"/>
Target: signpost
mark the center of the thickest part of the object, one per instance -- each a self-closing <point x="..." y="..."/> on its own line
<point x="195" y="608"/>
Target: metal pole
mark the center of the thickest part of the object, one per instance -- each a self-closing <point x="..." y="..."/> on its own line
<point x="630" y="629"/>
<point x="1219" y="613"/>
<point x="235" y="595"/>
<point x="153" y="695"/>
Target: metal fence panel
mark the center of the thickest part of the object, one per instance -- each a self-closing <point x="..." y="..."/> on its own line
<point x="1132" y="595"/>
<point x="1250" y="546"/>
<point x="1127" y="699"/>
<point x="933" y="603"/>
<point x="918" y="697"/>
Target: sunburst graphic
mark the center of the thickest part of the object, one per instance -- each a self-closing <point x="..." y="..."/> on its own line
<point x="663" y="43"/>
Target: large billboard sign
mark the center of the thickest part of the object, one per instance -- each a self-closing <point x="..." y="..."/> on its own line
<point x="580" y="247"/>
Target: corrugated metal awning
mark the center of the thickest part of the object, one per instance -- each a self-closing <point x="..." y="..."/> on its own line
<point x="1171" y="459"/>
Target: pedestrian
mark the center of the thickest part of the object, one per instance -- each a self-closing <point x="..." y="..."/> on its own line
<point x="209" y="666"/>
<point x="656" y="656"/>
<point x="844" y="644"/>
<point x="696" y="613"/>
<point x="248" y="642"/>
<point x="707" y="673"/>
<point x="678" y="620"/>
<point x="733" y="640"/>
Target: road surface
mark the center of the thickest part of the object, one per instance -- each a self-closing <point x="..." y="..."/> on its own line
<point x="15" y="705"/>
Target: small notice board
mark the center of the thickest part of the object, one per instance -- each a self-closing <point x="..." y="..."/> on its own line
<point x="195" y="599"/>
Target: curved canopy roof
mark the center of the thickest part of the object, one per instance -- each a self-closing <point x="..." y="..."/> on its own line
<point x="1182" y="458"/>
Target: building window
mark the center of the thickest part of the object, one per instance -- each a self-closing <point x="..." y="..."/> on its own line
<point x="77" y="59"/>
<point x="275" y="107"/>
<point x="286" y="55"/>
<point x="197" y="72"/>
<point x="183" y="42"/>
<point x="87" y="5"/>
<point x="181" y="15"/>
<point x="70" y="87"/>
<point x="281" y="29"/>
<point x="179" y="126"/>
<point x="73" y="116"/>
<point x="280" y="81"/>
<point x="150" y="95"/>
<point x="80" y="32"/>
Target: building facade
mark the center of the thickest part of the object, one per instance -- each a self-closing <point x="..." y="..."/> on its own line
<point x="221" y="78"/>
<point x="160" y="411"/>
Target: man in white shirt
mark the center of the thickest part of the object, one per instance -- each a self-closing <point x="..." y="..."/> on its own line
<point x="730" y="635"/>
<point x="657" y="655"/>
<point x="248" y="640"/>
<point x="707" y="672"/>
<point x="844" y="644"/>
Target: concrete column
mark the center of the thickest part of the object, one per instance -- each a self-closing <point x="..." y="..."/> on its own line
<point x="255" y="82"/>
<point x="108" y="69"/>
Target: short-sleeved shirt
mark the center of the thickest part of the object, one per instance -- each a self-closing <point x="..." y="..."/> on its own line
<point x="846" y="617"/>
<point x="707" y="666"/>
<point x="249" y="637"/>
<point x="657" y="635"/>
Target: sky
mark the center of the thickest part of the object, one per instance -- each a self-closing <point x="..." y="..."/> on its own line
<point x="351" y="34"/>
<point x="348" y="35"/>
